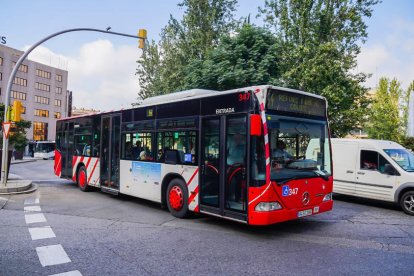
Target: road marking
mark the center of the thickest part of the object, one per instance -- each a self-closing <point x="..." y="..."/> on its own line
<point x="29" y="201"/>
<point x="32" y="208"/>
<point x="34" y="218"/>
<point x="69" y="273"/>
<point x="38" y="233"/>
<point x="52" y="255"/>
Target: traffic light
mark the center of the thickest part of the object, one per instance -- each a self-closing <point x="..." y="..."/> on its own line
<point x="142" y="33"/>
<point x="17" y="111"/>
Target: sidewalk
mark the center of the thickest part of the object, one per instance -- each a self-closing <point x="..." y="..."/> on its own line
<point x="24" y="160"/>
<point x="16" y="185"/>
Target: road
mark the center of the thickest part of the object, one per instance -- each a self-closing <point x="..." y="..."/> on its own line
<point x="101" y="234"/>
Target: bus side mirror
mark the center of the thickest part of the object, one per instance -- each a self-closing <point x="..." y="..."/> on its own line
<point x="255" y="125"/>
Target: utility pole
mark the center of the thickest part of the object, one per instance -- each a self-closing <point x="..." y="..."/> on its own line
<point x="142" y="35"/>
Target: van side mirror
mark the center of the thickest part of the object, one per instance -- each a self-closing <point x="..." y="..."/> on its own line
<point x="389" y="169"/>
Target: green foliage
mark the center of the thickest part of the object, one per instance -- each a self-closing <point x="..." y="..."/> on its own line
<point x="384" y="121"/>
<point x="320" y="44"/>
<point x="248" y="58"/>
<point x="161" y="68"/>
<point x="407" y="142"/>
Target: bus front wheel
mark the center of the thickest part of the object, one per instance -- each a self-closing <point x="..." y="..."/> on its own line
<point x="177" y="198"/>
<point x="82" y="179"/>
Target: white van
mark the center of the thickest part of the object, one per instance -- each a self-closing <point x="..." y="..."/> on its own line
<point x="374" y="169"/>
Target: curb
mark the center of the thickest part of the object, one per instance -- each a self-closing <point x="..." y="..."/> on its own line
<point x="14" y="162"/>
<point x="23" y="189"/>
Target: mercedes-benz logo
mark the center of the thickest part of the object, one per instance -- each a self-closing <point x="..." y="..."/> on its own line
<point x="305" y="198"/>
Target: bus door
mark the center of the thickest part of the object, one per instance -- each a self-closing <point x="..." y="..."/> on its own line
<point x="223" y="185"/>
<point x="110" y="148"/>
<point x="67" y="150"/>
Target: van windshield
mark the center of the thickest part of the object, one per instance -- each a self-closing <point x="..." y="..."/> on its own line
<point x="299" y="148"/>
<point x="402" y="157"/>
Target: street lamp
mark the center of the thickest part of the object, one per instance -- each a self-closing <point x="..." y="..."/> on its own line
<point x="141" y="36"/>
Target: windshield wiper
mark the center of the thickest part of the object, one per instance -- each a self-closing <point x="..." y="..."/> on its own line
<point x="291" y="178"/>
<point x="324" y="176"/>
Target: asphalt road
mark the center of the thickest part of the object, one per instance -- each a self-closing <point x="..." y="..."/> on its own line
<point x="108" y="235"/>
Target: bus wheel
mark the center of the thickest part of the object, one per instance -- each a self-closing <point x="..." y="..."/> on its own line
<point x="177" y="198"/>
<point x="82" y="179"/>
<point x="407" y="202"/>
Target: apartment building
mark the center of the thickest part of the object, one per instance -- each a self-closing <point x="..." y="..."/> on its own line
<point x="42" y="90"/>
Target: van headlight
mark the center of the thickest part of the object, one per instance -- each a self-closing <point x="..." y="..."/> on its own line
<point x="267" y="206"/>
<point x="327" y="197"/>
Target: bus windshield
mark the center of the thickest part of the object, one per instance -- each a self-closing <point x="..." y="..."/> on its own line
<point x="402" y="157"/>
<point x="299" y="148"/>
<point x="45" y="147"/>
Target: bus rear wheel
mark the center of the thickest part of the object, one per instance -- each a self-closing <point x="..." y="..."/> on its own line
<point x="82" y="179"/>
<point x="177" y="198"/>
<point x="407" y="202"/>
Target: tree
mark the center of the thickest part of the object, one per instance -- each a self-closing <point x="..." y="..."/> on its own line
<point x="245" y="59"/>
<point x="161" y="67"/>
<point x="385" y="121"/>
<point x="320" y="42"/>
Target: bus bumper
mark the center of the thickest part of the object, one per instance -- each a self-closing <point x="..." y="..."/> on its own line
<point x="272" y="217"/>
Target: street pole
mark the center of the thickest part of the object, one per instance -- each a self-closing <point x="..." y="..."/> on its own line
<point x="13" y="74"/>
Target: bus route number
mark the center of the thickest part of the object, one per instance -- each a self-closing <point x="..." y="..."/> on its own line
<point x="243" y="97"/>
<point x="286" y="191"/>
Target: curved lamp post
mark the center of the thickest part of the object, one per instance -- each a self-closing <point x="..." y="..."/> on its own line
<point x="141" y="37"/>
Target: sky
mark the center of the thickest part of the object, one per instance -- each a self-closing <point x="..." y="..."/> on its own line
<point x="102" y="67"/>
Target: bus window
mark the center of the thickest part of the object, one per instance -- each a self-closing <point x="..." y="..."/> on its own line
<point x="83" y="145"/>
<point x="138" y="146"/>
<point x="185" y="142"/>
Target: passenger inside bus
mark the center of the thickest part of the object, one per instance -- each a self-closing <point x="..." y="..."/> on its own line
<point x="136" y="151"/>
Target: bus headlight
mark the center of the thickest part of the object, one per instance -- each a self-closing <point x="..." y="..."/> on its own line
<point x="267" y="206"/>
<point x="327" y="197"/>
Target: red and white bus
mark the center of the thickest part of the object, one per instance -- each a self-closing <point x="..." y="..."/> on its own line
<point x="258" y="155"/>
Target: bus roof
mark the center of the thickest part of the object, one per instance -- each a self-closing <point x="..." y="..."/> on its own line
<point x="196" y="94"/>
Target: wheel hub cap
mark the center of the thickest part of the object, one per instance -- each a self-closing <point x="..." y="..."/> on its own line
<point x="176" y="198"/>
<point x="82" y="179"/>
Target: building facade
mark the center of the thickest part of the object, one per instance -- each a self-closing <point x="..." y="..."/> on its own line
<point x="42" y="90"/>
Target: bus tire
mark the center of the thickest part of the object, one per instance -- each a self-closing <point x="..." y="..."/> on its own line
<point x="82" y="179"/>
<point x="177" y="198"/>
<point x="407" y="202"/>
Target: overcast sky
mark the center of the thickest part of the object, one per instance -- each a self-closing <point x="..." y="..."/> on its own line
<point x="102" y="67"/>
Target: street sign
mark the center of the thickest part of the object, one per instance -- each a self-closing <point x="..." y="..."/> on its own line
<point x="6" y="129"/>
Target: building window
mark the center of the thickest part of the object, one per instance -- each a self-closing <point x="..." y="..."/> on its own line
<point x="39" y="131"/>
<point x="57" y="115"/>
<point x="43" y="74"/>
<point x="18" y="95"/>
<point x="22" y="68"/>
<point x="41" y="113"/>
<point x="20" y="81"/>
<point x="1" y="61"/>
<point x="42" y="86"/>
<point x="58" y="78"/>
<point x="1" y="76"/>
<point x="42" y="100"/>
<point x="58" y="90"/>
<point x="58" y="103"/>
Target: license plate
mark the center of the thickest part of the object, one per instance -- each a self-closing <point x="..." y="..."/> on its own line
<point x="304" y="213"/>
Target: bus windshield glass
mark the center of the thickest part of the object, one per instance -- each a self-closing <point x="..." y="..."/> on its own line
<point x="45" y="147"/>
<point x="299" y="148"/>
<point x="402" y="157"/>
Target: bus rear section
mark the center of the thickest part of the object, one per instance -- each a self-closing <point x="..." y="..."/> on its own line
<point x="291" y="166"/>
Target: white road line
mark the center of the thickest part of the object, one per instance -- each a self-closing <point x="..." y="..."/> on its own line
<point x="29" y="201"/>
<point x="32" y="208"/>
<point x="52" y="255"/>
<point x="38" y="233"/>
<point x="69" y="273"/>
<point x="34" y="218"/>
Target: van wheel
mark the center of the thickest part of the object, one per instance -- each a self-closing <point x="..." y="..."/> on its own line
<point x="407" y="203"/>
<point x="82" y="179"/>
<point x="177" y="198"/>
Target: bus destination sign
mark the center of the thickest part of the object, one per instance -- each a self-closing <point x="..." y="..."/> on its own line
<point x="295" y="103"/>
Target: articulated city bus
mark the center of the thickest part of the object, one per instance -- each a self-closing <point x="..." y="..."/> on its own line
<point x="257" y="155"/>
